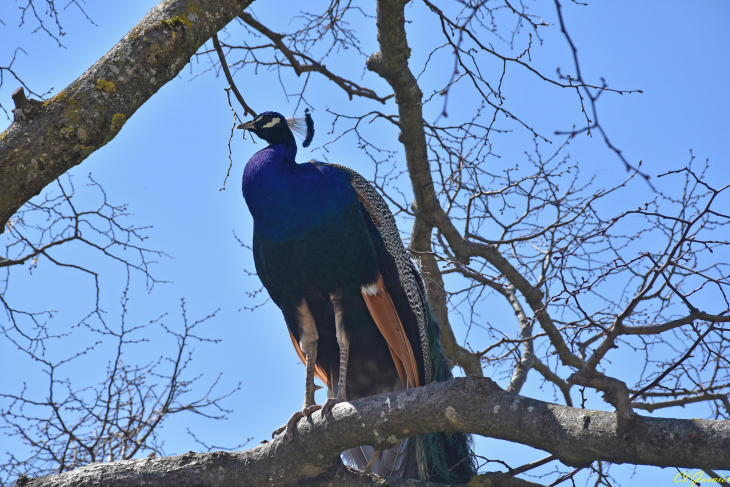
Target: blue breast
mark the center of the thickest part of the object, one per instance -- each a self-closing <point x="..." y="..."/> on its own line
<point x="287" y="200"/>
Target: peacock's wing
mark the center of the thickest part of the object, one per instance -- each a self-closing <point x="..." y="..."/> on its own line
<point x="398" y="305"/>
<point x="435" y="456"/>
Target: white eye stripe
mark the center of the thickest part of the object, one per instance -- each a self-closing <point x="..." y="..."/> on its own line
<point x="272" y="123"/>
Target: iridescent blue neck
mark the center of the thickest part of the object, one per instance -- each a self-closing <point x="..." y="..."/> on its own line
<point x="282" y="137"/>
<point x="287" y="199"/>
<point x="268" y="180"/>
<point x="270" y="162"/>
<point x="266" y="166"/>
<point x="284" y="151"/>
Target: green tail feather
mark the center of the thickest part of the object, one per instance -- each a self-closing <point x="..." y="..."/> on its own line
<point x="435" y="453"/>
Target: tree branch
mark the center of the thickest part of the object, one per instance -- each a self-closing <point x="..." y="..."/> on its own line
<point x="352" y="89"/>
<point x="551" y="376"/>
<point x="391" y="63"/>
<point x="577" y="437"/>
<point x="681" y="401"/>
<point x="224" y="65"/>
<point x="421" y="243"/>
<point x="528" y="350"/>
<point x="673" y="366"/>
<point x="48" y="138"/>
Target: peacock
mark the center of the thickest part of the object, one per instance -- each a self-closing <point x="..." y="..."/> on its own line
<point x="328" y="251"/>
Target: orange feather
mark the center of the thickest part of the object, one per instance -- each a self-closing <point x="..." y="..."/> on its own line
<point x="384" y="314"/>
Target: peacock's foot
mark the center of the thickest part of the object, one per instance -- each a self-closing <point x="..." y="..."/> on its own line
<point x="307" y="410"/>
<point x="329" y="404"/>
<point x="288" y="428"/>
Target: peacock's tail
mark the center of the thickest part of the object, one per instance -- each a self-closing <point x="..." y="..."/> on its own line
<point x="435" y="457"/>
<point x="441" y="457"/>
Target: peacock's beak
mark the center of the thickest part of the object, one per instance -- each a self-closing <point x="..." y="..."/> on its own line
<point x="247" y="126"/>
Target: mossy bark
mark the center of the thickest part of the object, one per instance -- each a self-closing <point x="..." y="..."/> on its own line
<point x="48" y="138"/>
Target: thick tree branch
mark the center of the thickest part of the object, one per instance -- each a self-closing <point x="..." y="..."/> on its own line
<point x="48" y="138"/>
<point x="576" y="437"/>
<point x="528" y="350"/>
<point x="391" y="63"/>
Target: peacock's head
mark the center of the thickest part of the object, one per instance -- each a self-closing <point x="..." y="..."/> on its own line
<point x="274" y="128"/>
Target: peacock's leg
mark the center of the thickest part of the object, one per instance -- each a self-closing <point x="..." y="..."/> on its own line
<point x="308" y="343"/>
<point x="344" y="343"/>
<point x="309" y="406"/>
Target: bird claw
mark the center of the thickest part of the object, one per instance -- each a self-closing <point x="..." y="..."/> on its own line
<point x="288" y="428"/>
<point x="329" y="404"/>
<point x="311" y="409"/>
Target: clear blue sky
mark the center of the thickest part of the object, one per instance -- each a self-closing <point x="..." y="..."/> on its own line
<point x="170" y="159"/>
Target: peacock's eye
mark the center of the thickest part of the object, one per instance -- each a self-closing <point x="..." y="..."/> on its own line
<point x="266" y="119"/>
